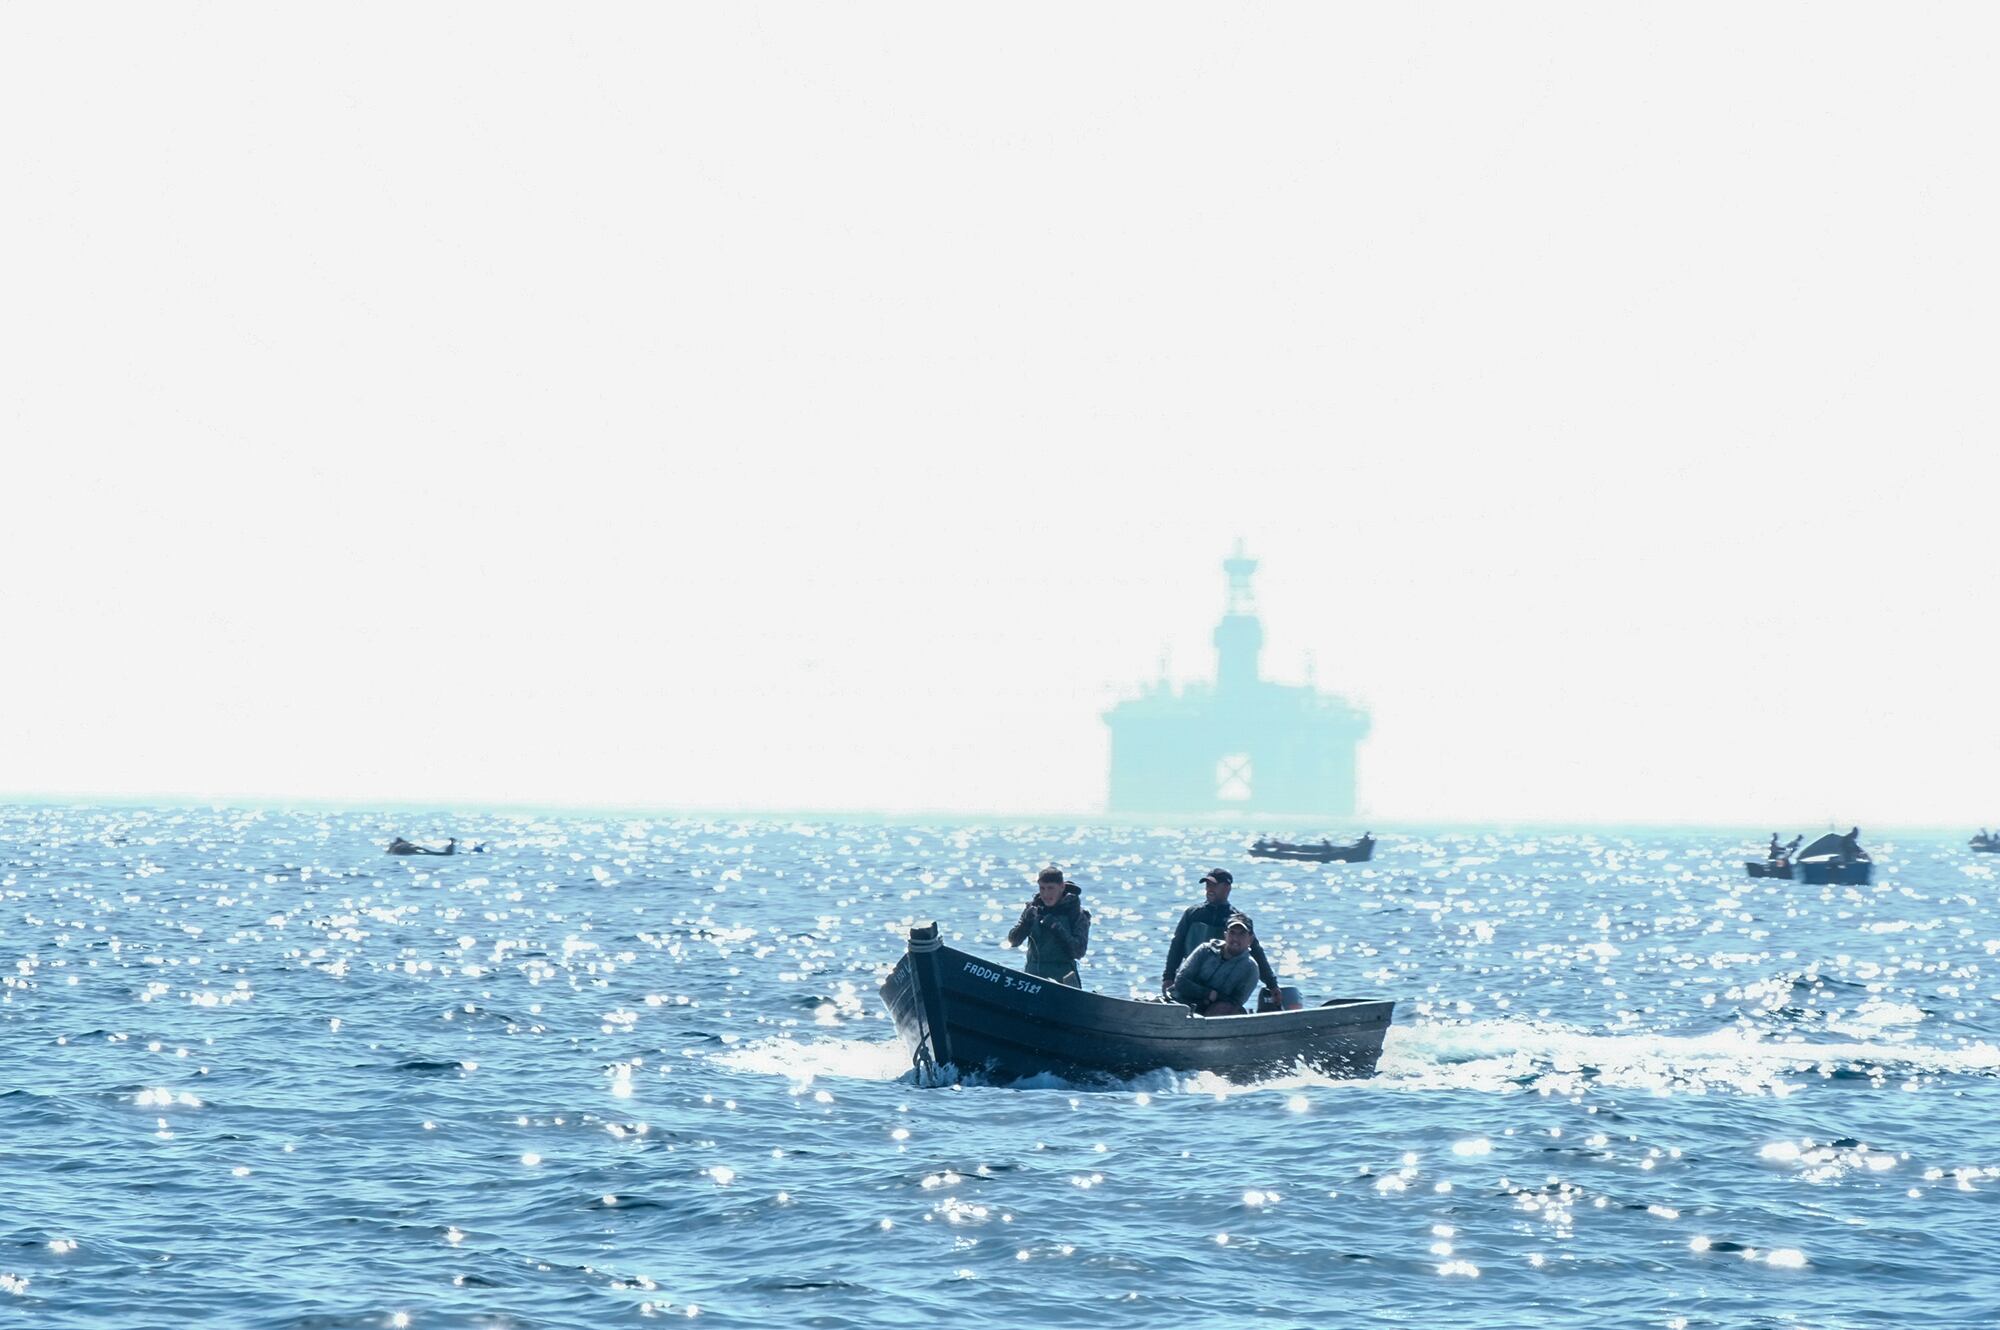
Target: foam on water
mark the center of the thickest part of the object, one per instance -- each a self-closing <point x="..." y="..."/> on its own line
<point x="1506" y="1055"/>
<point x="1501" y="1057"/>
<point x="806" y="1060"/>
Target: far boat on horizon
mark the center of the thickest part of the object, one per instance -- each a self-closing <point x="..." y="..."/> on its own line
<point x="1322" y="852"/>
<point x="1835" y="858"/>
<point x="1838" y="859"/>
<point x="401" y="846"/>
<point x="1985" y="843"/>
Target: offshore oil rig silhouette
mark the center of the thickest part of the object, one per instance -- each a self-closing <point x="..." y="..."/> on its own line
<point x="1242" y="744"/>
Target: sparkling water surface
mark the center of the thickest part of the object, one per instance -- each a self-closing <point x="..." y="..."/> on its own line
<point x="254" y="1072"/>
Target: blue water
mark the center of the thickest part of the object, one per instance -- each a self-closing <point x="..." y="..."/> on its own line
<point x="253" y="1072"/>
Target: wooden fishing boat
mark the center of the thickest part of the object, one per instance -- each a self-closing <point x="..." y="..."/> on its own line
<point x="960" y="1014"/>
<point x="1325" y="852"/>
<point x="1769" y="868"/>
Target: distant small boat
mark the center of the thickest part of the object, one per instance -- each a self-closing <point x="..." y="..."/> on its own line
<point x="1985" y="844"/>
<point x="1835" y="859"/>
<point x="1325" y="852"/>
<point x="1769" y="868"/>
<point x="956" y="1010"/>
<point x="401" y="846"/>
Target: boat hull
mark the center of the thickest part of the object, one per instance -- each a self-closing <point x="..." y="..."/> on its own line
<point x="1824" y="872"/>
<point x="1359" y="853"/>
<point x="1765" y="868"/>
<point x="955" y="1010"/>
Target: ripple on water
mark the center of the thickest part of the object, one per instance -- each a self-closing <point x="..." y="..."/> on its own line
<point x="621" y="1067"/>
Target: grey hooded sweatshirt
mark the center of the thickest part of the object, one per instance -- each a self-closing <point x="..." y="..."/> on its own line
<point x="1234" y="979"/>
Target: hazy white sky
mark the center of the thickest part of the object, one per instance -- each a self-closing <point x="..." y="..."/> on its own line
<point x="837" y="406"/>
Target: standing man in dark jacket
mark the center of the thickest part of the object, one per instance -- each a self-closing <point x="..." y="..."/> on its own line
<point x="1207" y="921"/>
<point x="1052" y="925"/>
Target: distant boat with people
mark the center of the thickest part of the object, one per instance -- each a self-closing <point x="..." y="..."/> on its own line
<point x="975" y="1016"/>
<point x="401" y="846"/>
<point x="1836" y="858"/>
<point x="1985" y="843"/>
<point x="1320" y="852"/>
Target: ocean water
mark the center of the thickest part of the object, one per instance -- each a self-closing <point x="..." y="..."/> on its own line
<point x="254" y="1072"/>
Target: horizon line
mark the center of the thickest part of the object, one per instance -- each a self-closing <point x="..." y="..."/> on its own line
<point x="266" y="803"/>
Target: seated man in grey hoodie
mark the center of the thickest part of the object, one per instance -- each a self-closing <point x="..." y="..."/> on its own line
<point x="1218" y="977"/>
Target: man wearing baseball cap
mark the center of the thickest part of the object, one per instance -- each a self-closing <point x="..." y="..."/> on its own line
<point x="1207" y="921"/>
<point x="1218" y="976"/>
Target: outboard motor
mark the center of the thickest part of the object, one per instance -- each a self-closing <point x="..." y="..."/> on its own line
<point x="1289" y="999"/>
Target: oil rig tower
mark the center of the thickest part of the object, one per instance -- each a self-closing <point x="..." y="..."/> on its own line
<point x="1241" y="744"/>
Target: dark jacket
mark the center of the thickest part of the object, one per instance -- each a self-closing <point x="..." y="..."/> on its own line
<point x="1216" y="917"/>
<point x="1054" y="935"/>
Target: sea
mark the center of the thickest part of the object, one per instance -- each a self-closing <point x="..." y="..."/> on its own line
<point x="617" y="1070"/>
